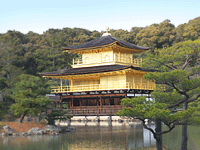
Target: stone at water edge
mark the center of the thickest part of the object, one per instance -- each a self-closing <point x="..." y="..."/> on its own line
<point x="24" y="134"/>
<point x="35" y="131"/>
<point x="54" y="133"/>
<point x="8" y="130"/>
<point x="52" y="128"/>
<point x="4" y="134"/>
<point x="68" y="129"/>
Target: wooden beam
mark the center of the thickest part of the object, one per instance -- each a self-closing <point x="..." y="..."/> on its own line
<point x="96" y="95"/>
<point x="97" y="102"/>
<point x="72" y="103"/>
<point x="100" y="103"/>
<point x="61" y="85"/>
<point x="61" y="104"/>
<point x="80" y="101"/>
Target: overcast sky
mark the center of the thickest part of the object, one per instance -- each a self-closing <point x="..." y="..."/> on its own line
<point x="40" y="15"/>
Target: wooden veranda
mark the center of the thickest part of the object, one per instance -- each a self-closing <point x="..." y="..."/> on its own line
<point x="106" y="103"/>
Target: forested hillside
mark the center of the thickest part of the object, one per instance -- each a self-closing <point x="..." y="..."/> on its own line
<point x="32" y="53"/>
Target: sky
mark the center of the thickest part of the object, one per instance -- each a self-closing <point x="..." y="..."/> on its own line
<point x="41" y="15"/>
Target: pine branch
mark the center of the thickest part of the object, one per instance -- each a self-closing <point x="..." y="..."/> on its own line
<point x="170" y="128"/>
<point x="193" y="99"/>
<point x="183" y="100"/>
<point x="186" y="62"/>
<point x="145" y="126"/>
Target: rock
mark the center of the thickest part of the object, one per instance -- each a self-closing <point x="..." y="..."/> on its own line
<point x="4" y="134"/>
<point x="68" y="129"/>
<point x="120" y="121"/>
<point x="52" y="128"/>
<point x="43" y="120"/>
<point x="17" y="120"/>
<point x="36" y="119"/>
<point x="35" y="131"/>
<point x="8" y="130"/>
<point x="28" y="119"/>
<point x="24" y="134"/>
<point x="54" y="133"/>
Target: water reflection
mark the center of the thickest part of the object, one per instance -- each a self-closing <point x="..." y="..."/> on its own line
<point x="88" y="136"/>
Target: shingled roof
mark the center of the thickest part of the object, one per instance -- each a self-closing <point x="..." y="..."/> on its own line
<point x="91" y="70"/>
<point x="103" y="42"/>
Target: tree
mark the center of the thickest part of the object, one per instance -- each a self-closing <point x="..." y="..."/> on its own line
<point x="188" y="31"/>
<point x="155" y="110"/>
<point x="3" y="106"/>
<point x="180" y="69"/>
<point x="157" y="35"/>
<point x="56" y="114"/>
<point x="29" y="95"/>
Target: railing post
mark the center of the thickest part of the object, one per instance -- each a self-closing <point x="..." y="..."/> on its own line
<point x="132" y="59"/>
<point x="61" y="85"/>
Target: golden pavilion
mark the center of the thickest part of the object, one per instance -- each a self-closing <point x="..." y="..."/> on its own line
<point x="106" y="73"/>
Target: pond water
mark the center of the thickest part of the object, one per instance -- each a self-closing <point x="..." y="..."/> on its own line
<point x="97" y="137"/>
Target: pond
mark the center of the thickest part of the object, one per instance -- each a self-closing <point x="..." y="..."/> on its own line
<point x="98" y="136"/>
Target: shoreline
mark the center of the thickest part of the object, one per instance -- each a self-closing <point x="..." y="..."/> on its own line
<point x="23" y="127"/>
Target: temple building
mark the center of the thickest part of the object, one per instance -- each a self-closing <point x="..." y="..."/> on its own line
<point x="106" y="73"/>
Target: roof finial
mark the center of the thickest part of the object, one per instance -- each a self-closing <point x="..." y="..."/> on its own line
<point x="107" y="32"/>
<point x="107" y="29"/>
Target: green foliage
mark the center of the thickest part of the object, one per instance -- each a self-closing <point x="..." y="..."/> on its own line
<point x="157" y="35"/>
<point x="29" y="95"/>
<point x="189" y="31"/>
<point x="32" y="53"/>
<point x="2" y="83"/>
<point x="56" y="114"/>
<point x="195" y="119"/>
<point x="141" y="108"/>
<point x="180" y="55"/>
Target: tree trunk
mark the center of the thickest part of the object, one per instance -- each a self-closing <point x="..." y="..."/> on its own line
<point x="158" y="137"/>
<point x="184" y="138"/>
<point x="22" y="117"/>
<point x="184" y="130"/>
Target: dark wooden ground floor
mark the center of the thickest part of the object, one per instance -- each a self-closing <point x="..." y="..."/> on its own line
<point x="104" y="103"/>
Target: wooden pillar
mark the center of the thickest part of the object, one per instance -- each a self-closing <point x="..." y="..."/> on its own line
<point x="61" y="85"/>
<point x="80" y="101"/>
<point x="61" y="102"/>
<point x="71" y="85"/>
<point x="109" y="104"/>
<point x="72" y="103"/>
<point x="97" y="102"/>
<point x="100" y="103"/>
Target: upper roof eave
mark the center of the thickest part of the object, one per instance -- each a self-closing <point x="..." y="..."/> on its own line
<point x="90" y="48"/>
<point x="103" y="42"/>
<point x="92" y="70"/>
